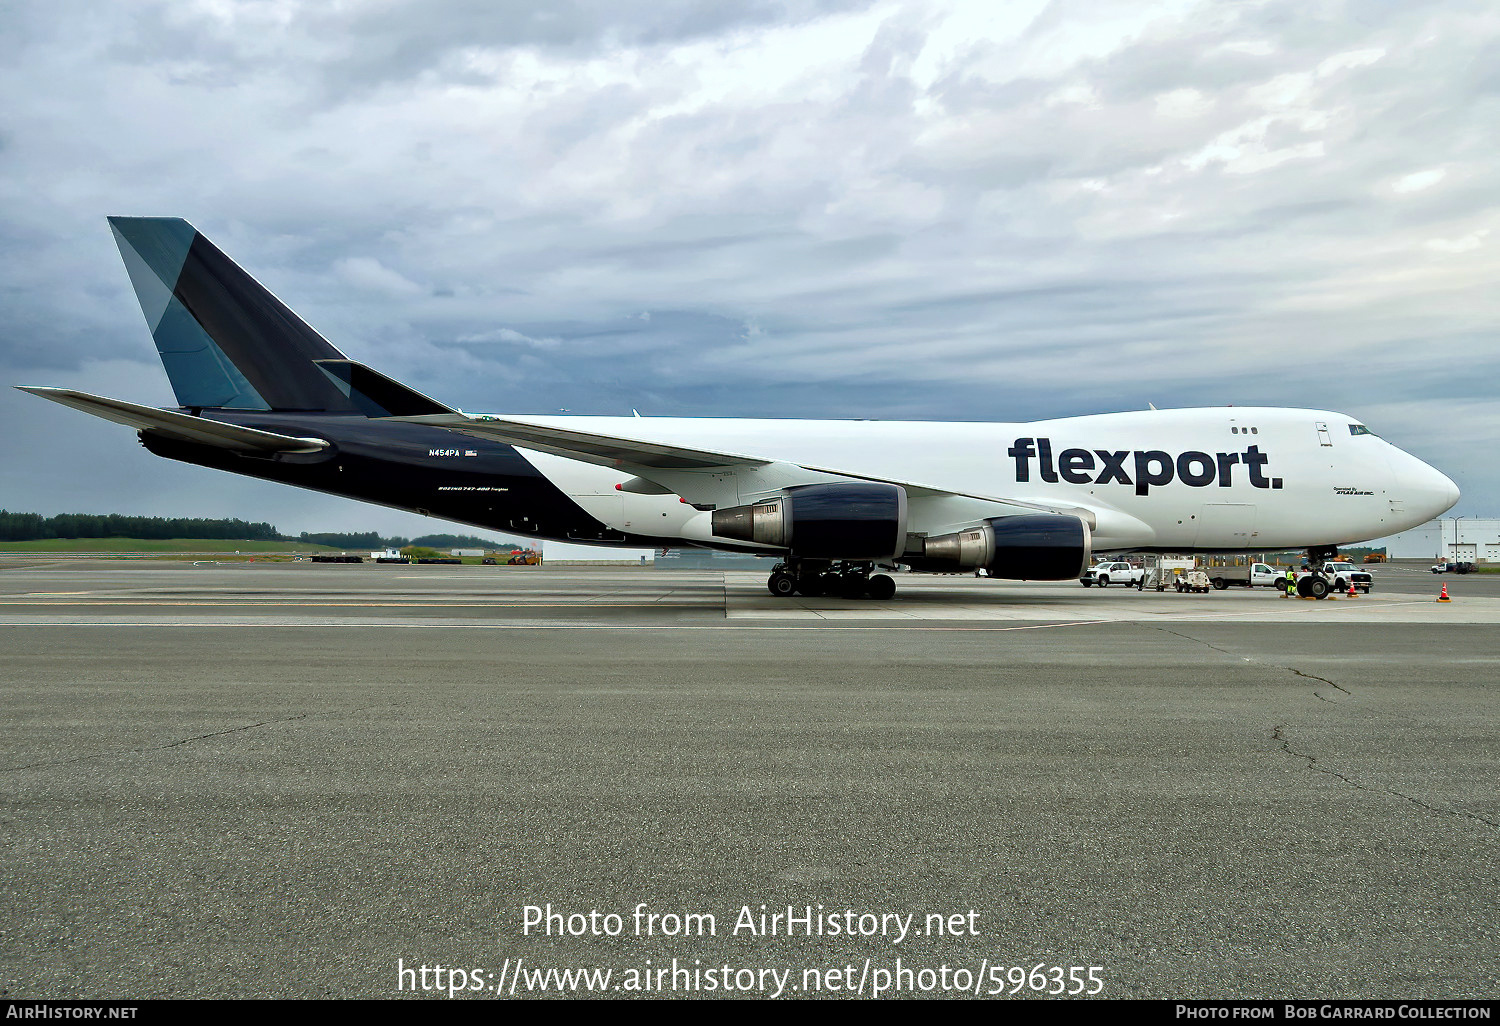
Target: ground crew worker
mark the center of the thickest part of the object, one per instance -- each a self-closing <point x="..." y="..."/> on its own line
<point x="1291" y="583"/>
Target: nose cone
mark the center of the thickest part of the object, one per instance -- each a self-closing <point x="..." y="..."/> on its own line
<point x="1428" y="493"/>
<point x="1449" y="491"/>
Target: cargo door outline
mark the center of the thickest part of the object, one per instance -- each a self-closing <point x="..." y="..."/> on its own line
<point x="606" y="507"/>
<point x="1226" y="525"/>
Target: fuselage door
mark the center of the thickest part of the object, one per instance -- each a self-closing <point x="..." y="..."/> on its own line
<point x="1323" y="436"/>
<point x="1229" y="526"/>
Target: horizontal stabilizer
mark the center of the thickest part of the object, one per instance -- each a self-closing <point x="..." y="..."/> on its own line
<point x="377" y="395"/>
<point x="177" y="425"/>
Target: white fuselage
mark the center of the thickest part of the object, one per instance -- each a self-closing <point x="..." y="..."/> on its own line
<point x="1228" y="479"/>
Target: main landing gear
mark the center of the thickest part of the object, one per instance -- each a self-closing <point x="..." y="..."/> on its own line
<point x="851" y="580"/>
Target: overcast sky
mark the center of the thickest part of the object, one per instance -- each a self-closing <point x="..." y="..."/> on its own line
<point x="974" y="211"/>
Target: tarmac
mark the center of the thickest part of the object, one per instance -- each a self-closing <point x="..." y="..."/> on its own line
<point x="287" y="780"/>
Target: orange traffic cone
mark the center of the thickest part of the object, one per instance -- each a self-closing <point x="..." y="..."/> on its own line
<point x="1444" y="596"/>
<point x="1352" y="592"/>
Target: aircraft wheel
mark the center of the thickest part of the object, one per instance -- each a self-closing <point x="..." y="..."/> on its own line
<point x="782" y="585"/>
<point x="853" y="586"/>
<point x="1318" y="587"/>
<point x="882" y="587"/>
<point x="811" y="585"/>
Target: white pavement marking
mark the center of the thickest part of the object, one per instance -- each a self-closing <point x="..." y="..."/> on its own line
<point x="581" y="600"/>
<point x="935" y="598"/>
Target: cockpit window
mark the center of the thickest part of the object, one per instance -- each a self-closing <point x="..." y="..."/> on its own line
<point x="1359" y="429"/>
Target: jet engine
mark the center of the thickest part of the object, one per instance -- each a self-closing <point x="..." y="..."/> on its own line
<point x="1025" y="547"/>
<point x="853" y="520"/>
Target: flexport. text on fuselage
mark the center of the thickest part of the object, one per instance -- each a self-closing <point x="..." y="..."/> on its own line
<point x="1225" y="478"/>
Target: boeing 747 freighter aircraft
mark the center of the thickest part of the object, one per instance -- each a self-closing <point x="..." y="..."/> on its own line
<point x="263" y="394"/>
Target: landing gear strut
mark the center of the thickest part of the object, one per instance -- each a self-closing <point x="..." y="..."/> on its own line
<point x="1318" y="555"/>
<point x="846" y="578"/>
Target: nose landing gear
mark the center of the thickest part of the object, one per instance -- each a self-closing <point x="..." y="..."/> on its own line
<point x="1317" y="584"/>
<point x="847" y="579"/>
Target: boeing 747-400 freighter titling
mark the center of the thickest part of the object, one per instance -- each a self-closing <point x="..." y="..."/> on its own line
<point x="263" y="394"/>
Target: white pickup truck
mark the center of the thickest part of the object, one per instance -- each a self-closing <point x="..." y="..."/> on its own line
<point x="1112" y="572"/>
<point x="1255" y="575"/>
<point x="1343" y="574"/>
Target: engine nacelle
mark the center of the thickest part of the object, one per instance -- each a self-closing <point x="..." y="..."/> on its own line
<point x="1026" y="547"/>
<point x="840" y="520"/>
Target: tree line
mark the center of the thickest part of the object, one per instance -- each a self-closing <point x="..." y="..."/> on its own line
<point x="35" y="527"/>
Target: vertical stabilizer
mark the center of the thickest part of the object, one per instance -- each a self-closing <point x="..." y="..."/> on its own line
<point x="224" y="339"/>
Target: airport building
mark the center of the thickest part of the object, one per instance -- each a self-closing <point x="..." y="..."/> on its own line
<point x="564" y="553"/>
<point x="1459" y="539"/>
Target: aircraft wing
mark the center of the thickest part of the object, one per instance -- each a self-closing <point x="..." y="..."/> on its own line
<point x="678" y="468"/>
<point x="604" y="450"/>
<point x="177" y="425"/>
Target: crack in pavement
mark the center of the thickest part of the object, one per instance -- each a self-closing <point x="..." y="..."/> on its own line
<point x="1260" y="662"/>
<point x="1198" y="641"/>
<point x="1325" y="680"/>
<point x="152" y="748"/>
<point x="1279" y="734"/>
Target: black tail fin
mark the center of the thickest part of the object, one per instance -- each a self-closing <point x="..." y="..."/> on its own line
<point x="224" y="339"/>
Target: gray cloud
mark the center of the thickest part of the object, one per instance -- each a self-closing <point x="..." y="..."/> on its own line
<point x="970" y="211"/>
